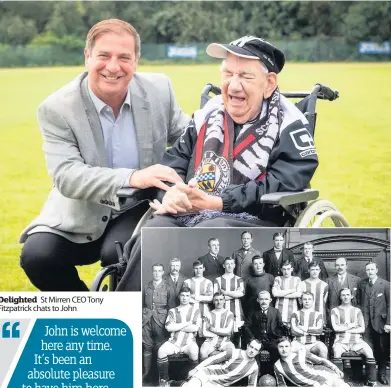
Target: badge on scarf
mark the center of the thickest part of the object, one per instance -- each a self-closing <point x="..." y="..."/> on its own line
<point x="212" y="174"/>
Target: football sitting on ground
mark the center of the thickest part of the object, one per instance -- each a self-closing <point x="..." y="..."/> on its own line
<point x="267" y="381"/>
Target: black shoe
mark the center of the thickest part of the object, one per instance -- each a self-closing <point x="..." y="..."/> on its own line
<point x="383" y="380"/>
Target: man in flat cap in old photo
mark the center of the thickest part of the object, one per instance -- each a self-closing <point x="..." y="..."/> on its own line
<point x="239" y="146"/>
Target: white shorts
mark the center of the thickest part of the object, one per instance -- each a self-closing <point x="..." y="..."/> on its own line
<point x="174" y="349"/>
<point x="348" y="347"/>
<point x="297" y="344"/>
<point x="204" y="378"/>
<point x="212" y="341"/>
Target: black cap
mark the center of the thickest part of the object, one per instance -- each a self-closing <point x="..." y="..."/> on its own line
<point x="253" y="48"/>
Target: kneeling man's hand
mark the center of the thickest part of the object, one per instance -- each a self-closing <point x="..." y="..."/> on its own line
<point x="154" y="176"/>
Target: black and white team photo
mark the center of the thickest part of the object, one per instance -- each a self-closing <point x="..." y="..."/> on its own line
<point x="265" y="307"/>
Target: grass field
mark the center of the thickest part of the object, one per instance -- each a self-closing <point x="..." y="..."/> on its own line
<point x="353" y="138"/>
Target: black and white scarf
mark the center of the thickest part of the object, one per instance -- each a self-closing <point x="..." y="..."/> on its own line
<point x="221" y="160"/>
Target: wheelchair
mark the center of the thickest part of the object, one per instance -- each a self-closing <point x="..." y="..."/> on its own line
<point x="301" y="209"/>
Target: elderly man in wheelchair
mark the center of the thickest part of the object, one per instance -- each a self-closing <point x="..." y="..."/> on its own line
<point x="249" y="143"/>
<point x="239" y="146"/>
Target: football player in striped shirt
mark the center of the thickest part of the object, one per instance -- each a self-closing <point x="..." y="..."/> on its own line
<point x="348" y="324"/>
<point x="292" y="366"/>
<point x="226" y="368"/>
<point x="307" y="326"/>
<point x="316" y="286"/>
<point x="201" y="288"/>
<point x="217" y="328"/>
<point x="286" y="290"/>
<point x="183" y="323"/>
<point x="232" y="287"/>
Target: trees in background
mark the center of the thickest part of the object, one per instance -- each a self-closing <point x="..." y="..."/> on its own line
<point x="29" y="22"/>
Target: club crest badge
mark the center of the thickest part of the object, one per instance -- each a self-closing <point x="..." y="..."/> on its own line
<point x="212" y="174"/>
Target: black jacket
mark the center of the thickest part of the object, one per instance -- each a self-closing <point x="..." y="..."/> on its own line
<point x="374" y="302"/>
<point x="213" y="268"/>
<point x="273" y="265"/>
<point x="252" y="325"/>
<point x="290" y="167"/>
<point x="303" y="273"/>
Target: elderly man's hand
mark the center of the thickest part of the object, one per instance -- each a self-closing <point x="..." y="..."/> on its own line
<point x="174" y="202"/>
<point x="183" y="198"/>
<point x="199" y="199"/>
<point x="154" y="176"/>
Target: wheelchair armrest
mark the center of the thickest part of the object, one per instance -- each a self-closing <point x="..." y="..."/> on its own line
<point x="131" y="195"/>
<point x="286" y="198"/>
<point x="128" y="192"/>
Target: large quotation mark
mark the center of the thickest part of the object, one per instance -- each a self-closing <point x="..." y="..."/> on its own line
<point x="10" y="331"/>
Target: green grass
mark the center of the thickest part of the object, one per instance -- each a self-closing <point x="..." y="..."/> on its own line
<point x="353" y="138"/>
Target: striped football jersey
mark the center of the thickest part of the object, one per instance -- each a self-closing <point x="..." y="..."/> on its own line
<point x="228" y="367"/>
<point x="301" y="374"/>
<point x="319" y="289"/>
<point x="286" y="306"/>
<point x="312" y="321"/>
<point x="220" y="320"/>
<point x="181" y="314"/>
<point x="200" y="287"/>
<point x="343" y="316"/>
<point x="233" y="283"/>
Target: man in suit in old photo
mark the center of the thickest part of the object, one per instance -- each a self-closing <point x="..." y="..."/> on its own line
<point x="302" y="264"/>
<point x="243" y="256"/>
<point x="373" y="298"/>
<point x="342" y="279"/>
<point x="174" y="278"/>
<point x="274" y="257"/>
<point x="104" y="131"/>
<point x="265" y="325"/>
<point x="212" y="261"/>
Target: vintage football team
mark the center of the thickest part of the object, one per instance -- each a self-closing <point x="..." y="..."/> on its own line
<point x="233" y="309"/>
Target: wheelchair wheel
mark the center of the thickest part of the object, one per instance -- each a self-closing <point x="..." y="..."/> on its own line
<point x="105" y="280"/>
<point x="321" y="213"/>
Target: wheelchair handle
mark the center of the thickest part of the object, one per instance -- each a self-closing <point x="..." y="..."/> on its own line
<point x="120" y="252"/>
<point x="325" y="93"/>
<point x="209" y="88"/>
